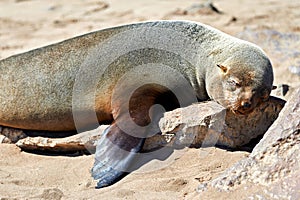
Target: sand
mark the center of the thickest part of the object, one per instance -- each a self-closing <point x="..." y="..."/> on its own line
<point x="28" y="24"/>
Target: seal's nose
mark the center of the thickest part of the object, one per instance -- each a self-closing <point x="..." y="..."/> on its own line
<point x="246" y="104"/>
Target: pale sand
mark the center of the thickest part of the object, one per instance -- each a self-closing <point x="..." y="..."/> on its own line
<point x="25" y="25"/>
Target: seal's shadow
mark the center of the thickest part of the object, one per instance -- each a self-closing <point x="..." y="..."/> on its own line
<point x="160" y="154"/>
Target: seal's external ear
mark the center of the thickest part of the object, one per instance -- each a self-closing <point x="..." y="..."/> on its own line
<point x="223" y="68"/>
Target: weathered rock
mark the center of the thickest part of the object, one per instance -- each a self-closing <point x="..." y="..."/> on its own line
<point x="191" y="124"/>
<point x="207" y="8"/>
<point x="79" y="142"/>
<point x="201" y="124"/>
<point x="10" y="135"/>
<point x="284" y="91"/>
<point x="209" y="124"/>
<point x="274" y="162"/>
<point x="281" y="90"/>
<point x="4" y="139"/>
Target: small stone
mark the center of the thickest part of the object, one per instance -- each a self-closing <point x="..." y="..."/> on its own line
<point x="295" y="70"/>
<point x="281" y="90"/>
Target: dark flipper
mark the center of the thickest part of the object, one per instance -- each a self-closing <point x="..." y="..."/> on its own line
<point x="114" y="155"/>
<point x="117" y="151"/>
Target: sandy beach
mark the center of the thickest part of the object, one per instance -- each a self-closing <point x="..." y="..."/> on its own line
<point x="27" y="24"/>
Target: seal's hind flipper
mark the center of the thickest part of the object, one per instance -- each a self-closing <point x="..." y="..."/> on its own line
<point x="114" y="155"/>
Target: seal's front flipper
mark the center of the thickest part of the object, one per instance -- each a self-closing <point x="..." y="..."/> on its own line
<point x="114" y="155"/>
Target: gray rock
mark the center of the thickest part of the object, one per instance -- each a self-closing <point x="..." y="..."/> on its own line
<point x="203" y="8"/>
<point x="295" y="70"/>
<point x="274" y="162"/>
<point x="284" y="91"/>
<point x="206" y="8"/>
<point x="281" y="90"/>
<point x="202" y="124"/>
<point x="10" y="135"/>
<point x="190" y="124"/>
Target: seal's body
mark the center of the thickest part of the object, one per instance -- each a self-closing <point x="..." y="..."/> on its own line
<point x="37" y="87"/>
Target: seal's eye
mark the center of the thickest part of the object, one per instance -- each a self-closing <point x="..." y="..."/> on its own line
<point x="238" y="85"/>
<point x="233" y="85"/>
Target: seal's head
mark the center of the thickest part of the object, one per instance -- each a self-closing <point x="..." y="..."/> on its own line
<point x="242" y="81"/>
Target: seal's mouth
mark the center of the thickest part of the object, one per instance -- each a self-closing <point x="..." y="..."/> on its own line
<point x="237" y="112"/>
<point x="242" y="111"/>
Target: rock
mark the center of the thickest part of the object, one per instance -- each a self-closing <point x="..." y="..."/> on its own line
<point x="4" y="139"/>
<point x="190" y="124"/>
<point x="80" y="142"/>
<point x="295" y="69"/>
<point x="284" y="91"/>
<point x="10" y="135"/>
<point x="203" y="8"/>
<point x="201" y="124"/>
<point x="274" y="162"/>
<point x="209" y="124"/>
<point x="207" y="8"/>
<point x="281" y="90"/>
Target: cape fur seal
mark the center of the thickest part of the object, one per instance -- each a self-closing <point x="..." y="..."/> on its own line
<point x="120" y="75"/>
